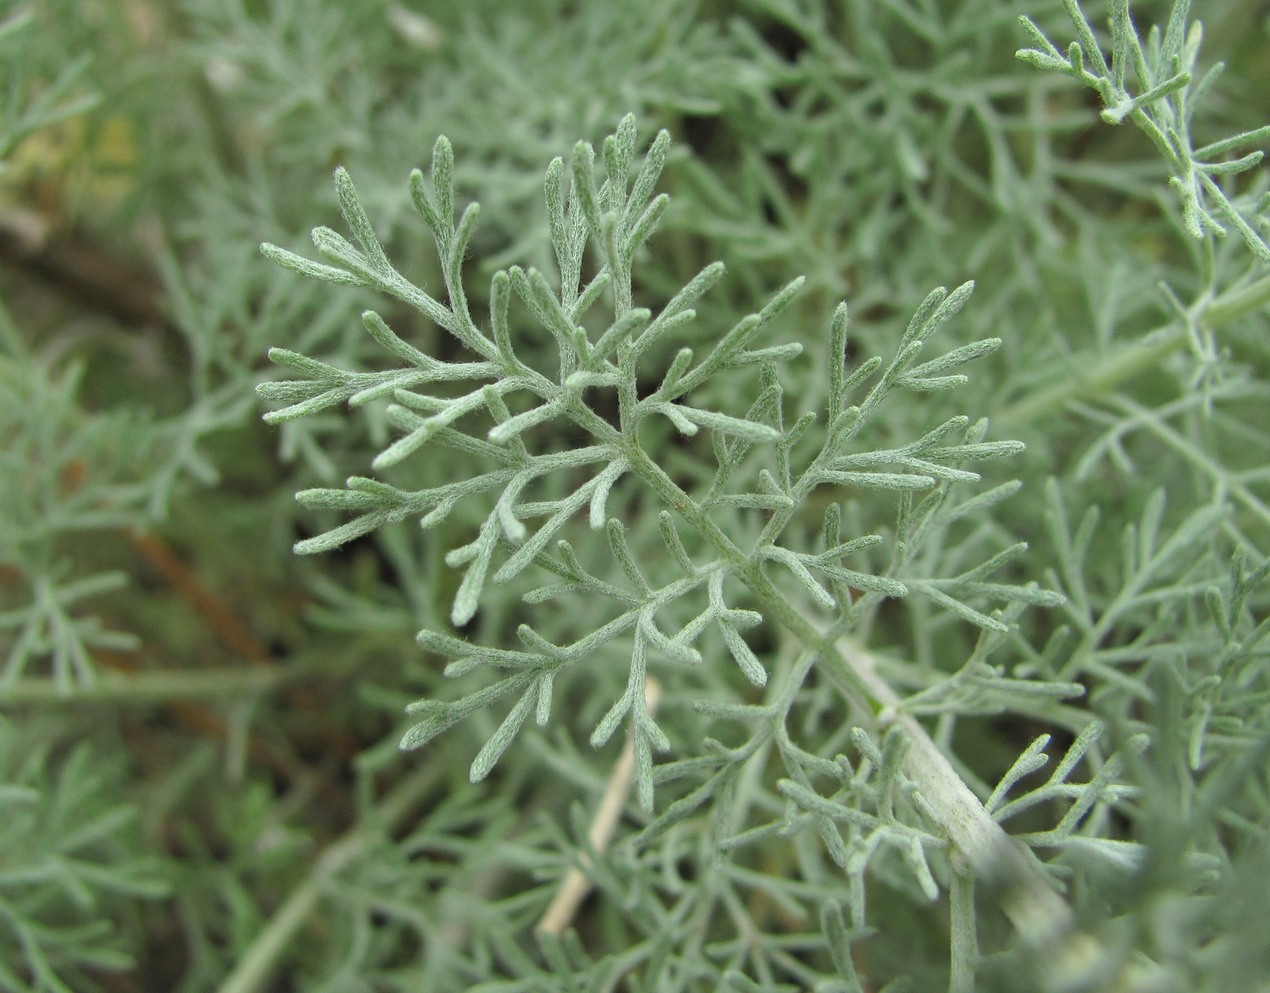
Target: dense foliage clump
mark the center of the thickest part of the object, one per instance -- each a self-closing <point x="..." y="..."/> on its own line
<point x="710" y="597"/>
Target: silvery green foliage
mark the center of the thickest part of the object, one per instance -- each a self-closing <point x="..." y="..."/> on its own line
<point x="727" y="537"/>
<point x="72" y="866"/>
<point x="1155" y="85"/>
<point x="776" y="517"/>
<point x="546" y="449"/>
<point x="639" y="481"/>
<point x="58" y="482"/>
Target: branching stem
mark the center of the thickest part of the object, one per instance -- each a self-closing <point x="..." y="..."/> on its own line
<point x="1025" y="892"/>
<point x="148" y="687"/>
<point x="1083" y="383"/>
<point x="255" y="967"/>
<point x="575" y="886"/>
<point x="1028" y="896"/>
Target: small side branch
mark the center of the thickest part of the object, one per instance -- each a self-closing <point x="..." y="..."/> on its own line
<point x="575" y="886"/>
<point x="1000" y="864"/>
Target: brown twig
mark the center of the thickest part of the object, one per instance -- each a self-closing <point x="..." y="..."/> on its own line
<point x="80" y="271"/>
<point x="232" y="631"/>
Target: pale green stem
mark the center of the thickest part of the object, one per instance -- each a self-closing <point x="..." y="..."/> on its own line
<point x="146" y="687"/>
<point x="1028" y="896"/>
<point x="1084" y="384"/>
<point x="254" y="968"/>
<point x="1008" y="870"/>
<point x="1222" y="479"/>
<point x="965" y="943"/>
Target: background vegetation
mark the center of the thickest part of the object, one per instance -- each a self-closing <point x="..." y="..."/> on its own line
<point x="200" y="781"/>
